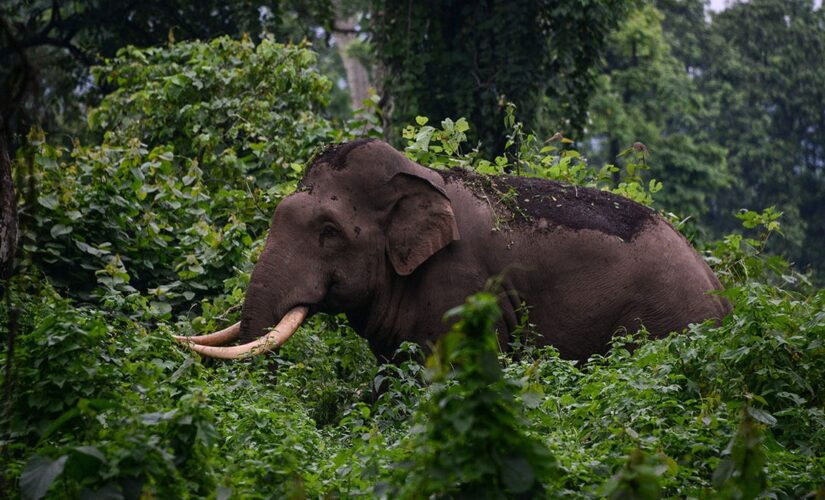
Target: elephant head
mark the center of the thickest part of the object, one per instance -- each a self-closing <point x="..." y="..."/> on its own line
<point x="362" y="215"/>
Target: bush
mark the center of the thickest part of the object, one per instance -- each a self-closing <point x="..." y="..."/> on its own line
<point x="471" y="439"/>
<point x="194" y="148"/>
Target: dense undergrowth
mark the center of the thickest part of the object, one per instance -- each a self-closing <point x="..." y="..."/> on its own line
<point x="152" y="230"/>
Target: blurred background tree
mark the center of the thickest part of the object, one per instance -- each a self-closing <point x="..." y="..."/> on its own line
<point x="646" y="95"/>
<point x="731" y="106"/>
<point x="469" y="58"/>
<point x="48" y="46"/>
<point x="764" y="70"/>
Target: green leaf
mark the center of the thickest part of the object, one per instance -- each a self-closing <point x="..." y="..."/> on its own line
<point x="160" y="308"/>
<point x="223" y="493"/>
<point x="462" y="422"/>
<point x="532" y="399"/>
<point x="91" y="451"/>
<point x="48" y="201"/>
<point x="59" y="230"/>
<point x="517" y="474"/>
<point x="761" y="416"/>
<point x="90" y="249"/>
<point x="181" y="369"/>
<point x="723" y="472"/>
<point x="421" y="120"/>
<point x="39" y="474"/>
<point x="107" y="492"/>
<point x="157" y="417"/>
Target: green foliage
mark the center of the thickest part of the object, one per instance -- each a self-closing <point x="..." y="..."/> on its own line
<point x="765" y="73"/>
<point x="197" y="144"/>
<point x="236" y="107"/>
<point x="122" y="409"/>
<point x="730" y="107"/>
<point x="741" y="474"/>
<point x="110" y="416"/>
<point x="748" y="82"/>
<point x="645" y="95"/>
<point x="468" y="58"/>
<point x="737" y="258"/>
<point x="636" y="479"/>
<point x="525" y="154"/>
<point x="103" y="403"/>
<point x="48" y="47"/>
<point x="472" y="441"/>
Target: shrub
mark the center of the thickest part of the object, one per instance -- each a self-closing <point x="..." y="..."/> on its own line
<point x="471" y="439"/>
<point x="191" y="152"/>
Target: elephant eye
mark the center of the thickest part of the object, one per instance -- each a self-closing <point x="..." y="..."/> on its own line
<point x="329" y="231"/>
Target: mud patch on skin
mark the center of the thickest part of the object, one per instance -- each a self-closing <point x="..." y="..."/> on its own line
<point x="335" y="155"/>
<point x="528" y="200"/>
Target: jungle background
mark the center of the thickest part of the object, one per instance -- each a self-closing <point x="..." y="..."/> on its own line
<point x="145" y="145"/>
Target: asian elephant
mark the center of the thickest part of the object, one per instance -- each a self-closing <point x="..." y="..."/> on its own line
<point x="394" y="245"/>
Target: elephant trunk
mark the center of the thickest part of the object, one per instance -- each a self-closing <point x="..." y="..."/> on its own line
<point x="264" y="302"/>
<point x="263" y="307"/>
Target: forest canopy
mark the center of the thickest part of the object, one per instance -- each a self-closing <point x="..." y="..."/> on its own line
<point x="146" y="146"/>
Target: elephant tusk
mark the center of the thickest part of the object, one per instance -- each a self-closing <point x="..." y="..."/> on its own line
<point x="220" y="337"/>
<point x="274" y="339"/>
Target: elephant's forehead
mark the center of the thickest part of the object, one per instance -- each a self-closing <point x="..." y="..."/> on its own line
<point x="353" y="185"/>
<point x="362" y="162"/>
<point x="322" y="200"/>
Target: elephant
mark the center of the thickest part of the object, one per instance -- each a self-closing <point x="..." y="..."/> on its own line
<point x="394" y="245"/>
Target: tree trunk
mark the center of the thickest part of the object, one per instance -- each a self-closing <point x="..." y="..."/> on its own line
<point x="358" y="80"/>
<point x="8" y="214"/>
<point x="8" y="248"/>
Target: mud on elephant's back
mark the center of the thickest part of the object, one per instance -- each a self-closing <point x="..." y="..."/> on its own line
<point x="525" y="201"/>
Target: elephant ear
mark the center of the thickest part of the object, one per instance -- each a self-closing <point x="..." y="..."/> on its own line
<point x="421" y="223"/>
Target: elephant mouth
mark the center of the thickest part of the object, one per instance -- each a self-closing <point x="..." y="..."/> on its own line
<point x="213" y="345"/>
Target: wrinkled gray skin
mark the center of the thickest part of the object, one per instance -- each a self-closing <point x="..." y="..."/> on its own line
<point x="394" y="245"/>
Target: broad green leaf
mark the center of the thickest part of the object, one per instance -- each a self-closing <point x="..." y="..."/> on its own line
<point x="48" y="201"/>
<point x="59" y="230"/>
<point x="92" y="451"/>
<point x="761" y="416"/>
<point x="517" y="474"/>
<point x="39" y="474"/>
